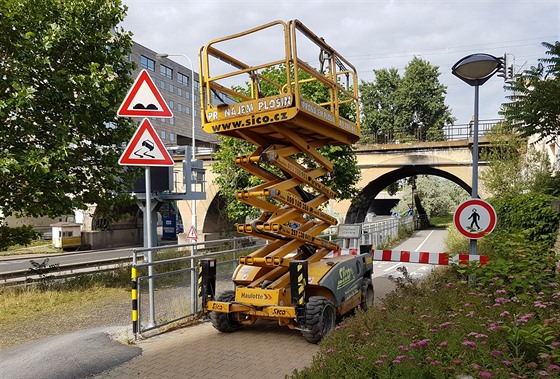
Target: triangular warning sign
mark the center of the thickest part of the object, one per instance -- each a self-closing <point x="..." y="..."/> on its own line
<point x="192" y="233"/>
<point x="145" y="148"/>
<point x="144" y="100"/>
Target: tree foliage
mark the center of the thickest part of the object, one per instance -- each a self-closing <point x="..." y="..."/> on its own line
<point x="438" y="196"/>
<point x="514" y="167"/>
<point x="411" y="107"/>
<point x="534" y="106"/>
<point x="64" y="71"/>
<point x="231" y="179"/>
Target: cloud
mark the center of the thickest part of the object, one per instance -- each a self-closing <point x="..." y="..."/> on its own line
<point x="370" y="34"/>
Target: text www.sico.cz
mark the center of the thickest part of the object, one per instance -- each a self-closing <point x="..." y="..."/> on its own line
<point x="253" y="120"/>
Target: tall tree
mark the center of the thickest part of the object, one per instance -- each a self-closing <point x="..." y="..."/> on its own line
<point x="411" y="107"/>
<point x="230" y="178"/>
<point x="64" y="71"/>
<point x="534" y="107"/>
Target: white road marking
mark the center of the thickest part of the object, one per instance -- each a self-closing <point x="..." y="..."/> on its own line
<point x="423" y="242"/>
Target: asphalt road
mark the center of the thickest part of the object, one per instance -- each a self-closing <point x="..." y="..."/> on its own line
<point x="8" y="264"/>
<point x="430" y="240"/>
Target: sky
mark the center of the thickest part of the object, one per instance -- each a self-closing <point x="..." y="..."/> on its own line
<point x="371" y="34"/>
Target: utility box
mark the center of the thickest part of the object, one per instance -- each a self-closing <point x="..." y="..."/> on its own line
<point x="66" y="234"/>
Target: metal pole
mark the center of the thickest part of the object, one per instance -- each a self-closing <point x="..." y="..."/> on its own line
<point x="194" y="298"/>
<point x="148" y="210"/>
<point x="474" y="192"/>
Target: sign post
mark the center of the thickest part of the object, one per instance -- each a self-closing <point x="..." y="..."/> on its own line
<point x="146" y="149"/>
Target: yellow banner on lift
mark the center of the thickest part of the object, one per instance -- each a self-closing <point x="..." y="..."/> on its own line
<point x="250" y="121"/>
<point x="257" y="296"/>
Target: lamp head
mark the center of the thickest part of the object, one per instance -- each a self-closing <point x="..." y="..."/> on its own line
<point x="476" y="69"/>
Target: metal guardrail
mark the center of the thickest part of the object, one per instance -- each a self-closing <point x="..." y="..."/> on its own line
<point x="61" y="271"/>
<point x="458" y="132"/>
<point x="170" y="312"/>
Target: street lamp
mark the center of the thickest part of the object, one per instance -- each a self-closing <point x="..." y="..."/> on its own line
<point x="475" y="70"/>
<point x="193" y="159"/>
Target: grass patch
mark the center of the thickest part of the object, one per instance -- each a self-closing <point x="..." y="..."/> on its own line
<point x="442" y="221"/>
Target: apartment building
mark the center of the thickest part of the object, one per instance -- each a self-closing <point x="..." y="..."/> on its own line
<point x="177" y="84"/>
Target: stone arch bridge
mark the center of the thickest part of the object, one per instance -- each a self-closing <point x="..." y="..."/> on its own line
<point x="380" y="164"/>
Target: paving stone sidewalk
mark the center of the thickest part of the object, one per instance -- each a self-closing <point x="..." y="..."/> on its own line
<point x="264" y="350"/>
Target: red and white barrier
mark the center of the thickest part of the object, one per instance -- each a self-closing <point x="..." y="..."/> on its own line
<point x="340" y="252"/>
<point x="427" y="258"/>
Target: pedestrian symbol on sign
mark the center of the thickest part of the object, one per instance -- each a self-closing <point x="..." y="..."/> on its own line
<point x="475" y="217"/>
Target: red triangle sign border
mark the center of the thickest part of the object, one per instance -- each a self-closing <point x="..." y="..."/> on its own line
<point x="124" y="109"/>
<point x="127" y="158"/>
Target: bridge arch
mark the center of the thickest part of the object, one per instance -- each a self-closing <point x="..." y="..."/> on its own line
<point x="361" y="205"/>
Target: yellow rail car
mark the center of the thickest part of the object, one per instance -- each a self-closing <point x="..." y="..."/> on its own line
<point x="288" y="107"/>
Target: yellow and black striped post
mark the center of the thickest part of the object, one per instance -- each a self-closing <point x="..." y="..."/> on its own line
<point x="298" y="285"/>
<point x="134" y="292"/>
<point x="206" y="280"/>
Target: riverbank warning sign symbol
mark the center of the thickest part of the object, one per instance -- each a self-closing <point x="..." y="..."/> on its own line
<point x="475" y="218"/>
<point x="144" y="100"/>
<point x="145" y="148"/>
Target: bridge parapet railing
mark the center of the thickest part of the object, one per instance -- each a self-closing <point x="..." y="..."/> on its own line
<point x="456" y="132"/>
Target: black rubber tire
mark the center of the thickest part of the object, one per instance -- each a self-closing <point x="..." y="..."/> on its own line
<point x="225" y="322"/>
<point x="320" y="319"/>
<point x="368" y="296"/>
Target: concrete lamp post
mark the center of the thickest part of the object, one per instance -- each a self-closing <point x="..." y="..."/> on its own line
<point x="475" y="70"/>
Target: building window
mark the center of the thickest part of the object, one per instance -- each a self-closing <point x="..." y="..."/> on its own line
<point x="196" y="98"/>
<point x="179" y="107"/>
<point x="162" y="85"/>
<point x="163" y="121"/>
<point x="147" y="63"/>
<point x="171" y="121"/>
<point x="171" y="104"/>
<point x="187" y="95"/>
<point x="162" y="134"/>
<point x="166" y="71"/>
<point x="172" y="137"/>
<point x="171" y="88"/>
<point x="187" y="109"/>
<point x="179" y="91"/>
<point x="196" y="85"/>
<point x="183" y="79"/>
<point x="196" y="113"/>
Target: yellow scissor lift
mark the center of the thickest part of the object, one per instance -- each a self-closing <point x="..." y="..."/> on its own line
<point x="289" y="279"/>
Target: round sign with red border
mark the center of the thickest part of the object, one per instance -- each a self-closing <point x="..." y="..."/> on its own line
<point x="475" y="218"/>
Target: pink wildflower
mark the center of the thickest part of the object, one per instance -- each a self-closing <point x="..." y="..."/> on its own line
<point x="553" y="367"/>
<point x="543" y="373"/>
<point x="495" y="353"/>
<point x="484" y="374"/>
<point x="443" y="344"/>
<point x="468" y="343"/>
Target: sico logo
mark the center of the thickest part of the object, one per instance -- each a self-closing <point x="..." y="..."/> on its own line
<point x="279" y="312"/>
<point x="217" y="307"/>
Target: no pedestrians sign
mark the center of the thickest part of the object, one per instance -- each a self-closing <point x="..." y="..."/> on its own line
<point x="475" y="218"/>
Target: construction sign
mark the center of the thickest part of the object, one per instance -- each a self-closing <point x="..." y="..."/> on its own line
<point x="144" y="100"/>
<point x="145" y="148"/>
